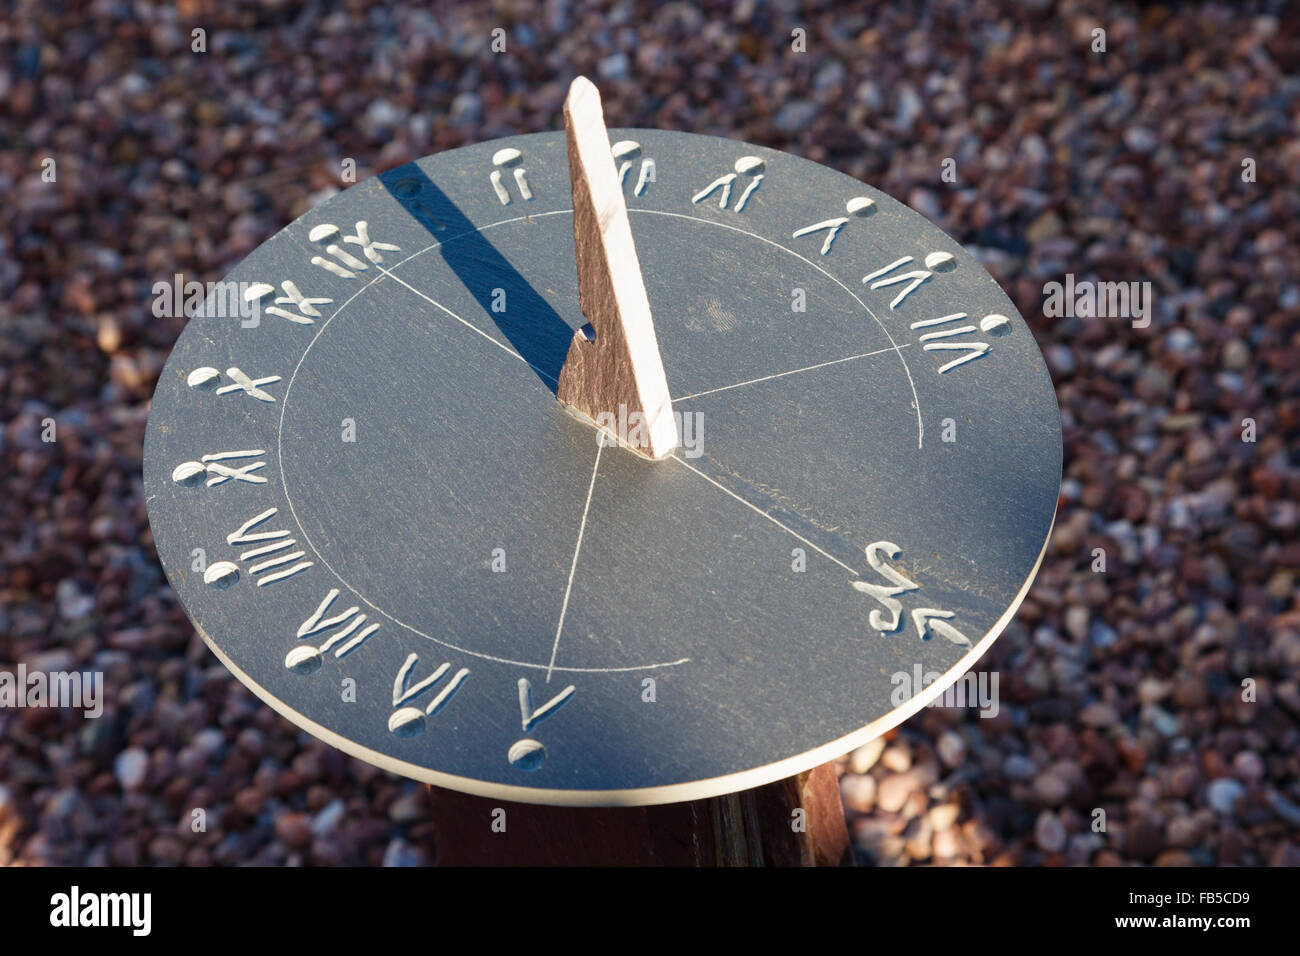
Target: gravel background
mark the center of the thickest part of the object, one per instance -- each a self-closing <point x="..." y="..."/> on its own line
<point x="1120" y="690"/>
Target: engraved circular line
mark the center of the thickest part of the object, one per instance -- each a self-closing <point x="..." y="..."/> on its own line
<point x="383" y="274"/>
<point x="660" y="793"/>
<point x="289" y="498"/>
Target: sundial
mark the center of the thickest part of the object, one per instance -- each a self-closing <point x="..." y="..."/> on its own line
<point x="806" y="445"/>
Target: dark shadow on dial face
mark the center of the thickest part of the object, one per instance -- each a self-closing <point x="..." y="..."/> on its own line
<point x="532" y="327"/>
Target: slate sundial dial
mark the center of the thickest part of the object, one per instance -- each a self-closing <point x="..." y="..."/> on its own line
<point x="380" y="517"/>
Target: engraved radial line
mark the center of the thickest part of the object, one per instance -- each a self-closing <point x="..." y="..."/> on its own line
<point x="916" y="400"/>
<point x="577" y="549"/>
<point x="284" y="478"/>
<point x="754" y="507"/>
<point x="895" y="347"/>
<point x="793" y="371"/>
<point x="284" y="481"/>
<point x="468" y="325"/>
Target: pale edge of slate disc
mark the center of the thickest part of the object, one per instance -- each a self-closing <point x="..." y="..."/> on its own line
<point x="649" y="796"/>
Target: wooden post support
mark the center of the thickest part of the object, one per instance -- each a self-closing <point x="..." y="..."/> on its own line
<point x="759" y="827"/>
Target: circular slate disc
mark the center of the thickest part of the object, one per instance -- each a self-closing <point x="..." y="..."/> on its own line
<point x="377" y="514"/>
